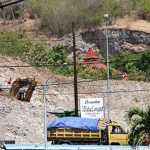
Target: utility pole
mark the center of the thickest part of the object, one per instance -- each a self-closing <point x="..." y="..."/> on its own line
<point x="106" y="16"/>
<point x="75" y="72"/>
<point x="44" y="97"/>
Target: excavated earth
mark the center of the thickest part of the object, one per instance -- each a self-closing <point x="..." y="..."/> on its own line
<point x="24" y="122"/>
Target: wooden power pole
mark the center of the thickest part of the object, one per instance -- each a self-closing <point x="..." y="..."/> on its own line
<point x="75" y="72"/>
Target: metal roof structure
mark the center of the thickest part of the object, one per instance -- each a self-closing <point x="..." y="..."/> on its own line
<point x="90" y="54"/>
<point x="93" y="61"/>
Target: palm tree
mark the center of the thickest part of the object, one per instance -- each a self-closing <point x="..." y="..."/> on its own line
<point x="139" y="120"/>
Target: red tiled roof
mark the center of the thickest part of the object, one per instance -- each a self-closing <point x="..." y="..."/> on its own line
<point x="100" y="65"/>
<point x="90" y="54"/>
<point x="94" y="63"/>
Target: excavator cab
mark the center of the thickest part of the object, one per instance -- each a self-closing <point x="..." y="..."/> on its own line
<point x="22" y="94"/>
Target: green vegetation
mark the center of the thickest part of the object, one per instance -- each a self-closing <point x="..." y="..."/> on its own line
<point x="57" y="16"/>
<point x="66" y="113"/>
<point x="39" y="54"/>
<point x="12" y="44"/>
<point x="136" y="65"/>
<point x="140" y="125"/>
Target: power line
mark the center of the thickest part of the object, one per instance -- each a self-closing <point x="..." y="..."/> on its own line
<point x="121" y="91"/>
<point x="2" y="4"/>
<point x="95" y="80"/>
<point x="81" y="81"/>
<point x="48" y="40"/>
<point x="69" y="64"/>
<point x="68" y="83"/>
<point x="81" y="93"/>
<point x="115" y="38"/>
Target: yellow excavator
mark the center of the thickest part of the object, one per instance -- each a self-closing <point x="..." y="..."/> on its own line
<point x="22" y="94"/>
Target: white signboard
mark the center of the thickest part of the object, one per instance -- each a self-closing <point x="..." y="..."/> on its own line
<point x="92" y="108"/>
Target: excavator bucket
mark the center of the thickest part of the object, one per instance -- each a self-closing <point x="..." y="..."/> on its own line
<point x="30" y="90"/>
<point x="20" y="83"/>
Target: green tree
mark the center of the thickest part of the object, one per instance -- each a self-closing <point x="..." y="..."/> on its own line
<point x="123" y="61"/>
<point x="140" y="124"/>
<point x="13" y="43"/>
<point x="56" y="16"/>
<point x="143" y="8"/>
<point x="144" y="61"/>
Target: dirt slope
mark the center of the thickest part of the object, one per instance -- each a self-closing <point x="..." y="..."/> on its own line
<point x="23" y="121"/>
<point x="130" y="23"/>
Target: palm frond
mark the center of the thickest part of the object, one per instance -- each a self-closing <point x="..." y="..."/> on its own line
<point x="140" y="124"/>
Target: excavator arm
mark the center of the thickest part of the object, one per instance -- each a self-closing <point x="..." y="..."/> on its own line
<point x="30" y="90"/>
<point x="18" y="84"/>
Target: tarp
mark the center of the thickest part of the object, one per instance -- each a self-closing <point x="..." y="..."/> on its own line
<point x="74" y="122"/>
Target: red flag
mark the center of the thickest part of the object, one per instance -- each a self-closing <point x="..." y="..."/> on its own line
<point x="9" y="81"/>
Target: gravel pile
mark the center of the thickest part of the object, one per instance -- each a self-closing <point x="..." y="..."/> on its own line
<point x="24" y="122"/>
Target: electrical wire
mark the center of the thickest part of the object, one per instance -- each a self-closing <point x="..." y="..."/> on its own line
<point x="87" y="93"/>
<point x="121" y="91"/>
<point x="2" y="4"/>
<point x="72" y="83"/>
<point x="68" y="64"/>
<point x="89" y="39"/>
<point x="118" y="38"/>
<point x="92" y="80"/>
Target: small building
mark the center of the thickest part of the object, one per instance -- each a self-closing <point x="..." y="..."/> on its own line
<point x="93" y="61"/>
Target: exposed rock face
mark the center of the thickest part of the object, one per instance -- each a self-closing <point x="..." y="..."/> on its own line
<point x="119" y="40"/>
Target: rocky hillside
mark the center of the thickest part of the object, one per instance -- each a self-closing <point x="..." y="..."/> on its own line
<point x="24" y="122"/>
